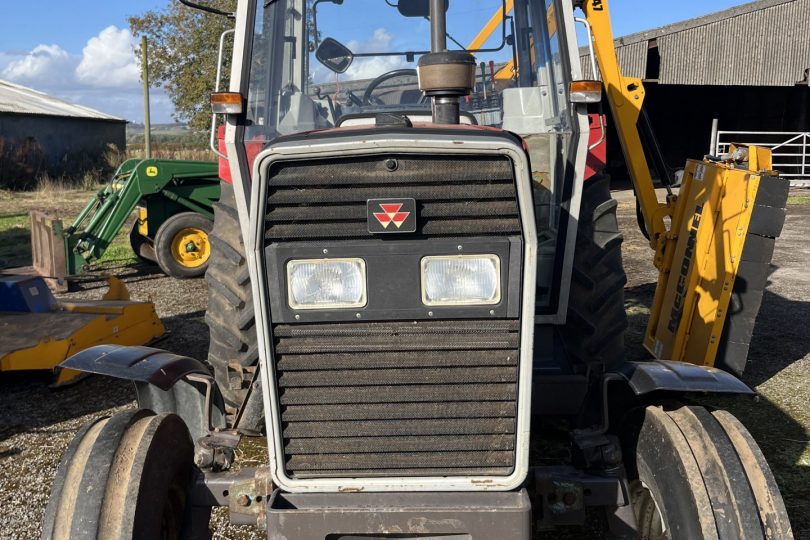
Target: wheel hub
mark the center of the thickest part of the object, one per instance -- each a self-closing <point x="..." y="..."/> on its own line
<point x="190" y="247"/>
<point x="651" y="525"/>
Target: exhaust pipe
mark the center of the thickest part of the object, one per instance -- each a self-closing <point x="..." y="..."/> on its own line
<point x="438" y="26"/>
<point x="444" y="76"/>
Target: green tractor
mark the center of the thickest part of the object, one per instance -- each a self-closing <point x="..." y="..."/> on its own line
<point x="174" y="201"/>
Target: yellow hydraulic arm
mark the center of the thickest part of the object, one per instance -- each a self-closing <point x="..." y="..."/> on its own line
<point x="626" y="98"/>
<point x="493" y="24"/>
<point x="700" y="235"/>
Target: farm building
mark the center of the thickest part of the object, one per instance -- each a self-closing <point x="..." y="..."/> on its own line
<point x="746" y="66"/>
<point x="54" y="127"/>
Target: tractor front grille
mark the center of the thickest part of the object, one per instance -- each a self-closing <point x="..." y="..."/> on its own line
<point x="404" y="398"/>
<point x="326" y="199"/>
<point x="431" y="398"/>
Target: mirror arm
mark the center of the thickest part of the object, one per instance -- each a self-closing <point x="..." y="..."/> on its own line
<point x="207" y="9"/>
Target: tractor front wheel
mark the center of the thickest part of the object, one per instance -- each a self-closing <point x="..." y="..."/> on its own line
<point x="126" y="476"/>
<point x="182" y="246"/>
<point x="697" y="473"/>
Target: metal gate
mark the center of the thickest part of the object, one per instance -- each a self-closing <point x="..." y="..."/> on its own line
<point x="791" y="150"/>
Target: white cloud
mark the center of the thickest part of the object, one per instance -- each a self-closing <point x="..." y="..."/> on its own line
<point x="374" y="66"/>
<point x="108" y="60"/>
<point x="49" y="64"/>
<point x="367" y="67"/>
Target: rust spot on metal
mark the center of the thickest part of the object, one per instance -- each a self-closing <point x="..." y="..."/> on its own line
<point x="350" y="489"/>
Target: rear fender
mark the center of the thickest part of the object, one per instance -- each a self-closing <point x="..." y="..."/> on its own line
<point x="164" y="382"/>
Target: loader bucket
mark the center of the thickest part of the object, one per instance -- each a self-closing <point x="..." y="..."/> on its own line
<point x="48" y="250"/>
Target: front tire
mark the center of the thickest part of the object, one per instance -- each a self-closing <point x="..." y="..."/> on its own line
<point x="182" y="245"/>
<point x="697" y="474"/>
<point x="126" y="476"/>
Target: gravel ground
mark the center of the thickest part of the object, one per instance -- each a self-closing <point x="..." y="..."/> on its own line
<point x="36" y="423"/>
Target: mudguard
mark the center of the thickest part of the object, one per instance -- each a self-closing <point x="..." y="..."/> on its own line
<point x="164" y="382"/>
<point x="646" y="377"/>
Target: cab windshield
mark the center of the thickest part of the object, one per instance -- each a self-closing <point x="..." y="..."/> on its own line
<point x="325" y="63"/>
<point x="319" y="64"/>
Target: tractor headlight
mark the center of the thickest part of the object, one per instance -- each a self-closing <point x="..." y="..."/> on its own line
<point x="326" y="283"/>
<point x="461" y="280"/>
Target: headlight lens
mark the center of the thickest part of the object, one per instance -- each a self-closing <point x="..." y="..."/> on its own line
<point x="461" y="280"/>
<point x="326" y="283"/>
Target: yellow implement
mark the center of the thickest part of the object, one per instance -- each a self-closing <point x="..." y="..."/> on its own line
<point x="713" y="240"/>
<point x="41" y="340"/>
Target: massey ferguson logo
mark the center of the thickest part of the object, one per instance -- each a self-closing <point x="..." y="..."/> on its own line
<point x="391" y="216"/>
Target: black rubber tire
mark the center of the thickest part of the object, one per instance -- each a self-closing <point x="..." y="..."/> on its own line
<point x="699" y="474"/>
<point x="163" y="244"/>
<point x="233" y="349"/>
<point x="594" y="332"/>
<point x="142" y="246"/>
<point x="125" y="476"/>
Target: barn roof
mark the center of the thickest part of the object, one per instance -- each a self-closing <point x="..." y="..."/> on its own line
<point x="763" y="43"/>
<point x="16" y="99"/>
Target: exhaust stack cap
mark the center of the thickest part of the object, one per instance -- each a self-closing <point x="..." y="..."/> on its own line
<point x="445" y="77"/>
<point x="447" y="74"/>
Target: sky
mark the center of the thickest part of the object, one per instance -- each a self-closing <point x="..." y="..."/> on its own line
<point x="84" y="52"/>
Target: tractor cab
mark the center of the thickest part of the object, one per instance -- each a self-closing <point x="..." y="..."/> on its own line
<point x="326" y="64"/>
<point x="418" y="299"/>
<point x="341" y="68"/>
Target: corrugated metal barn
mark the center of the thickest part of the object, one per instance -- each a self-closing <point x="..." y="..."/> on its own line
<point x="60" y="129"/>
<point x="746" y="66"/>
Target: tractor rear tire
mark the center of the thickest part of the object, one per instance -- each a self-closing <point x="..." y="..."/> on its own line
<point x="699" y="474"/>
<point x="594" y="332"/>
<point x="171" y="240"/>
<point x="232" y="351"/>
<point x="142" y="246"/>
<point x="125" y="476"/>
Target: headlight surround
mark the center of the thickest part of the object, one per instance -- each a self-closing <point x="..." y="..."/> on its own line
<point x="461" y="280"/>
<point x="326" y="284"/>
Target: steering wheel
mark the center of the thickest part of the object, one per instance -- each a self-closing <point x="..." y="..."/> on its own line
<point x="384" y="77"/>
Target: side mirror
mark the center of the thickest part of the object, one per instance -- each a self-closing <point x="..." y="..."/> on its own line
<point x="334" y="55"/>
<point x="417" y="8"/>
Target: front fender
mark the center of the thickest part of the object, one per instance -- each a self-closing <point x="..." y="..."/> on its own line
<point x="137" y="364"/>
<point x="667" y="375"/>
<point x="164" y="382"/>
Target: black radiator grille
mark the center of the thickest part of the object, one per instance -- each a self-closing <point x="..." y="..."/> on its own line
<point x="433" y="398"/>
<point x="326" y="199"/>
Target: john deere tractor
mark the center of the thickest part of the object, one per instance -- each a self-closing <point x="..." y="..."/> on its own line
<point x="416" y="296"/>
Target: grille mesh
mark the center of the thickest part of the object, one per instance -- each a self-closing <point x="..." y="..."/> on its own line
<point x="326" y="199"/>
<point x="365" y="399"/>
<point x="433" y="398"/>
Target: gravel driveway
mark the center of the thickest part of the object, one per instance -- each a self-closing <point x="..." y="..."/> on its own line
<point x="36" y="424"/>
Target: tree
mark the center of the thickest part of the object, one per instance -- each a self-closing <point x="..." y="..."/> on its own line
<point x="183" y="45"/>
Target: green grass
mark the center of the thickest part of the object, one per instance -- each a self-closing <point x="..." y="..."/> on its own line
<point x="119" y="252"/>
<point x="799" y="199"/>
<point x="15" y="243"/>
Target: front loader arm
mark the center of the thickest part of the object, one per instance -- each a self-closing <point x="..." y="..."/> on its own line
<point x="626" y="98"/>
